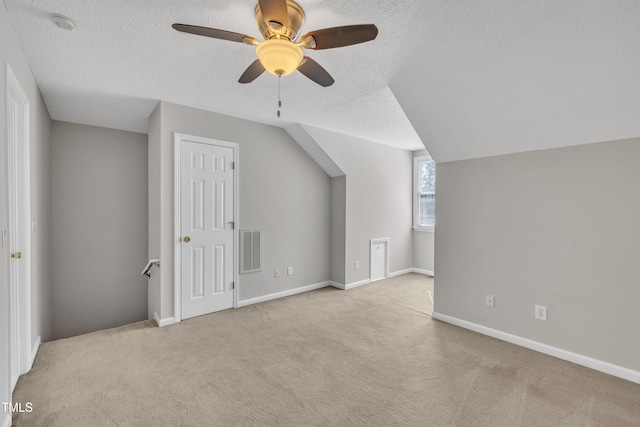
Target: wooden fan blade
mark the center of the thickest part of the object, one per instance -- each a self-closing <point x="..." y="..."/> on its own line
<point x="315" y="72"/>
<point x="214" y="33"/>
<point x="252" y="72"/>
<point x="274" y="11"/>
<point x="340" y="36"/>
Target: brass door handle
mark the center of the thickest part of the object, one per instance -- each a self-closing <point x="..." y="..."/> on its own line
<point x="16" y="255"/>
<point x="187" y="239"/>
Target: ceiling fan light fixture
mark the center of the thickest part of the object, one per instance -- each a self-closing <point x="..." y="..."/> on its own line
<point x="279" y="57"/>
<point x="281" y="53"/>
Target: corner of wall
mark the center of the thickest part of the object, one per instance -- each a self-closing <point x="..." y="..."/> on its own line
<point x="314" y="150"/>
<point x="338" y="229"/>
<point x="154" y="218"/>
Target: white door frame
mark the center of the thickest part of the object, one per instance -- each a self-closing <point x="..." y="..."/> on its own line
<point x="387" y="242"/>
<point x="177" y="257"/>
<point x="19" y="189"/>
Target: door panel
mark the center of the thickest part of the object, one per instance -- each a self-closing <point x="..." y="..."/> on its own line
<point x="206" y="209"/>
<point x="378" y="260"/>
<point x="19" y="228"/>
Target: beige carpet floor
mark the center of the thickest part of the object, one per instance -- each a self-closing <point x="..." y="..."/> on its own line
<point x="370" y="356"/>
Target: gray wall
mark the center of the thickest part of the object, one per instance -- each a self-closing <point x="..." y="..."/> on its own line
<point x="378" y="199"/>
<point x="11" y="53"/>
<point x="338" y="228"/>
<point x="424" y="250"/>
<point x="281" y="190"/>
<point x="555" y="227"/>
<point x="99" y="193"/>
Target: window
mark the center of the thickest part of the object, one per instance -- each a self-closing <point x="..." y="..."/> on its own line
<point x="424" y="202"/>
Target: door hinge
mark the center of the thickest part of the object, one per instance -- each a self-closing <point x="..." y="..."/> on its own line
<point x="233" y="165"/>
<point x="233" y="285"/>
<point x="233" y="225"/>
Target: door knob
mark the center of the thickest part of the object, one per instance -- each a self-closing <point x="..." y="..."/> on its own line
<point x="16" y="255"/>
<point x="187" y="239"/>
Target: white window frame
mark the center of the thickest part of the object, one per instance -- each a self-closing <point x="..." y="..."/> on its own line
<point x="416" y="194"/>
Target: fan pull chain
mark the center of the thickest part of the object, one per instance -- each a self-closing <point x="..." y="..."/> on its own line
<point x="279" y="101"/>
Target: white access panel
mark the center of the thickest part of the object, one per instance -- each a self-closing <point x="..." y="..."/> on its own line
<point x="379" y="259"/>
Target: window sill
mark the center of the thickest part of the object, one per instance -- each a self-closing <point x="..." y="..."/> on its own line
<point x="424" y="229"/>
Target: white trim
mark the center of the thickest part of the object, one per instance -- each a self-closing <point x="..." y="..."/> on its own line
<point x="368" y="281"/>
<point x="357" y="284"/>
<point x="579" y="359"/>
<point x="163" y="322"/>
<point x="7" y="420"/>
<point x="177" y="138"/>
<point x="423" y="229"/>
<point x="421" y="271"/>
<point x="337" y="285"/>
<point x="177" y="258"/>
<point x="394" y="274"/>
<point x="34" y="351"/>
<point x="401" y="272"/>
<point x="283" y="294"/>
<point x="236" y="223"/>
<point x="24" y="296"/>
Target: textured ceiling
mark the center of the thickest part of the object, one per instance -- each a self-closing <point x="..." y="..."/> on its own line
<point x="123" y="56"/>
<point x="498" y="77"/>
<point x="475" y="78"/>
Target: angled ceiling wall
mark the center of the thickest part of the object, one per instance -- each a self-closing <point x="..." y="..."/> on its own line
<point x="493" y="78"/>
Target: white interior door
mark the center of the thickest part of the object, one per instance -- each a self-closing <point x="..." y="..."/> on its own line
<point x="18" y="193"/>
<point x="207" y="236"/>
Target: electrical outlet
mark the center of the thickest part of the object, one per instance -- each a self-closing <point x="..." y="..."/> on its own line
<point x="489" y="301"/>
<point x="276" y="273"/>
<point x="541" y="312"/>
<point x="357" y="265"/>
<point x="289" y="271"/>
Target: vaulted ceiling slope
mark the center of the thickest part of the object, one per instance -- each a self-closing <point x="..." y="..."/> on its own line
<point x="498" y="77"/>
<point x="123" y="56"/>
<point x="466" y="78"/>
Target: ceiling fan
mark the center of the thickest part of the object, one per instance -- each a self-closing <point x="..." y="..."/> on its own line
<point x="281" y="53"/>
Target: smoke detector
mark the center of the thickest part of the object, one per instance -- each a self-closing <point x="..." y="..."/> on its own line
<point x="62" y="21"/>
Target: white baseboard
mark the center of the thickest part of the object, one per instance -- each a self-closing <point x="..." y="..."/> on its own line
<point x="34" y="352"/>
<point x="356" y="284"/>
<point x="579" y="359"/>
<point x="283" y="294"/>
<point x="394" y="274"/>
<point x="163" y="322"/>
<point x="421" y="271"/>
<point x="401" y="272"/>
<point x="6" y="422"/>
<point x="337" y="285"/>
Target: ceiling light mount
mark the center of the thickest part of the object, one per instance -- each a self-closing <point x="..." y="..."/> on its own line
<point x="62" y="21"/>
<point x="275" y="29"/>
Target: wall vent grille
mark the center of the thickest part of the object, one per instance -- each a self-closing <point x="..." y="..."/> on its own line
<point x="250" y="251"/>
